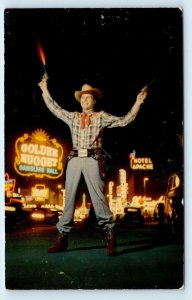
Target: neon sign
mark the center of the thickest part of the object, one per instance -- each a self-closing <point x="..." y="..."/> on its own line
<point x="123" y="184"/>
<point x="40" y="192"/>
<point x="38" y="155"/>
<point x="9" y="183"/>
<point x="140" y="163"/>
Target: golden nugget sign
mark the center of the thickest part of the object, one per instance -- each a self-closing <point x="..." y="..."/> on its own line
<point x="38" y="155"/>
<point x="140" y="163"/>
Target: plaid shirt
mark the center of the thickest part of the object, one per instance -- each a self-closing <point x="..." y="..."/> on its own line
<point x="91" y="136"/>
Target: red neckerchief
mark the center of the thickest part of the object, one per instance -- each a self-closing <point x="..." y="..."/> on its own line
<point x="85" y="118"/>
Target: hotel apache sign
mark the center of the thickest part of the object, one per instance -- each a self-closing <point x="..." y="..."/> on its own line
<point x="38" y="155"/>
<point x="140" y="163"/>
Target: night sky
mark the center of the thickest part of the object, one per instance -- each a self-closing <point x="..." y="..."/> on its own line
<point x="116" y="50"/>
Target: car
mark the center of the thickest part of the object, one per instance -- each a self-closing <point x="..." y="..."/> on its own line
<point x="17" y="215"/>
<point x="172" y="211"/>
<point x="14" y="214"/>
<point x="41" y="215"/>
<point x="133" y="216"/>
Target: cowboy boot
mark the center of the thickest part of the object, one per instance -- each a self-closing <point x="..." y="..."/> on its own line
<point x="111" y="241"/>
<point x="60" y="244"/>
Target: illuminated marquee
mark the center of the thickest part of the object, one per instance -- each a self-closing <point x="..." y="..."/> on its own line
<point x="38" y="155"/>
<point x="40" y="192"/>
<point x="140" y="163"/>
<point x="123" y="184"/>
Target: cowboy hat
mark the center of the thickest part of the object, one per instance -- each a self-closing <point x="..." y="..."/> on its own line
<point x="88" y="89"/>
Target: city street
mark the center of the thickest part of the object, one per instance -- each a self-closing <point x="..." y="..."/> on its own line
<point x="128" y="64"/>
<point x="146" y="259"/>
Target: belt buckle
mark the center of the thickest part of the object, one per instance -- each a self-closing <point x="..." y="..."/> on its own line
<point x="82" y="153"/>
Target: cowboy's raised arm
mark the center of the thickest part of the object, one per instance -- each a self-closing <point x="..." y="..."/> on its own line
<point x="111" y="121"/>
<point x="139" y="100"/>
<point x="59" y="112"/>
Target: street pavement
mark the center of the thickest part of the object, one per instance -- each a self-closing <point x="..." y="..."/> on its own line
<point x="147" y="258"/>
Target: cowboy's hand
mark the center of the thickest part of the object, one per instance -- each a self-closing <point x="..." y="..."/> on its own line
<point x="43" y="83"/>
<point x="141" y="97"/>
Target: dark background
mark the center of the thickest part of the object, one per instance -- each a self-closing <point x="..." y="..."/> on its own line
<point x="116" y="50"/>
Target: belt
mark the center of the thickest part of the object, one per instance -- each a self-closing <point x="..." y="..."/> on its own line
<point x="85" y="152"/>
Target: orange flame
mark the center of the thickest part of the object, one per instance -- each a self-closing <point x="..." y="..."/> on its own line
<point x="41" y="54"/>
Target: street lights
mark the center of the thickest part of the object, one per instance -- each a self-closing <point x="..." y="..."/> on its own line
<point x="145" y="179"/>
